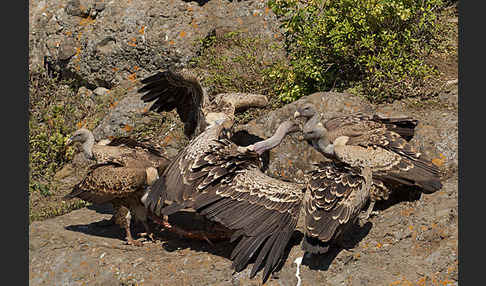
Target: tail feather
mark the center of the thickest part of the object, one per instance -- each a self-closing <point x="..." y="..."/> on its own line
<point x="405" y="126"/>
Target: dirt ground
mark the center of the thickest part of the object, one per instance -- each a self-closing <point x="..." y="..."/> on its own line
<point x="408" y="243"/>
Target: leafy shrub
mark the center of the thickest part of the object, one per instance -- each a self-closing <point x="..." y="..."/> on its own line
<point x="375" y="46"/>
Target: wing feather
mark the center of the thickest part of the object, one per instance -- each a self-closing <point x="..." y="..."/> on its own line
<point x="335" y="198"/>
<point x="170" y="90"/>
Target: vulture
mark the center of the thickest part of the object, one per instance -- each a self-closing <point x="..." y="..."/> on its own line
<point x="221" y="180"/>
<point x="374" y="142"/>
<point x="120" y="173"/>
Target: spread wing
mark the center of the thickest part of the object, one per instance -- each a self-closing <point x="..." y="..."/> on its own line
<point x="182" y="92"/>
<point x="335" y="196"/>
<point x="212" y="176"/>
<point x="107" y="181"/>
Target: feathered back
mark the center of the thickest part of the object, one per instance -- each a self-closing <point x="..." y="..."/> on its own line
<point x="358" y="124"/>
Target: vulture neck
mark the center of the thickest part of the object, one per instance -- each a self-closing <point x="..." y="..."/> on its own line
<point x="283" y="129"/>
<point x="87" y="145"/>
<point x="321" y="142"/>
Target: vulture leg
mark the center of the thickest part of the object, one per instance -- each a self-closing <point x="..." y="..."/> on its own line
<point x="130" y="240"/>
<point x="123" y="217"/>
<point x="141" y="215"/>
<point x="148" y="231"/>
<point x="217" y="234"/>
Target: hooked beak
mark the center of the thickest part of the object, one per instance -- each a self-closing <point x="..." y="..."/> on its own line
<point x="296" y="114"/>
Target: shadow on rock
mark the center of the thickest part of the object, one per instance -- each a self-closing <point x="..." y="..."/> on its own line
<point x="244" y="138"/>
<point x="102" y="209"/>
<point x="200" y="2"/>
<point x="193" y="222"/>
<point x="399" y="194"/>
<point x="352" y="238"/>
<point x="101" y="228"/>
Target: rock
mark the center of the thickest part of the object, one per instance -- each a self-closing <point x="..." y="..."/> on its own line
<point x="67" y="49"/>
<point x="120" y="116"/>
<point x="101" y="91"/>
<point x="112" y="41"/>
<point x="84" y="92"/>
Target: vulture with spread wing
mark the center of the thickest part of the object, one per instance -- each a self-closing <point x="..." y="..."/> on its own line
<point x="220" y="179"/>
<point x="371" y="141"/>
<point x="120" y="173"/>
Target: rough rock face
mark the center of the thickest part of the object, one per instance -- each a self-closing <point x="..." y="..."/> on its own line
<point x="106" y="42"/>
<point x="412" y="241"/>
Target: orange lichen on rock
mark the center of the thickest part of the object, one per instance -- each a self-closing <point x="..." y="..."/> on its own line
<point x="439" y="161"/>
<point x="132" y="77"/>
<point x="142" y="30"/>
<point x="86" y="21"/>
<point x="132" y="42"/>
<point x="421" y="281"/>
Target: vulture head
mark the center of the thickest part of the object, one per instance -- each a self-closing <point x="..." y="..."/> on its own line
<point x="86" y="138"/>
<point x="306" y="110"/>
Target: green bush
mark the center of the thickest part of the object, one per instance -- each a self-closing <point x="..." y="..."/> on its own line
<point x="376" y="47"/>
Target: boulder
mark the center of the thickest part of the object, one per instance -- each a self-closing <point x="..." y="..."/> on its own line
<point x="105" y="42"/>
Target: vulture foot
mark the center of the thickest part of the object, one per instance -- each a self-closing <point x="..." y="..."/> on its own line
<point x="363" y="218"/>
<point x="134" y="242"/>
